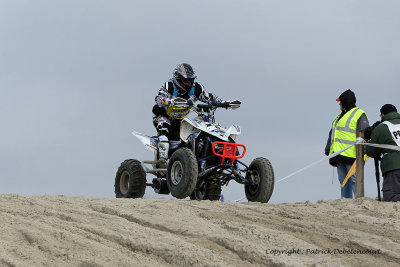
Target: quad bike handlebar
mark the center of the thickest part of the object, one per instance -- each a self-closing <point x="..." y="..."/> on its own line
<point x="183" y="106"/>
<point x="229" y="104"/>
<point x="182" y="103"/>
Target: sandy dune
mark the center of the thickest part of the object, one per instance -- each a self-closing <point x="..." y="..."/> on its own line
<point x="79" y="231"/>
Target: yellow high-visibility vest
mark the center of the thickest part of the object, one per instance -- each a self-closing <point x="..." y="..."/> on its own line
<point x="344" y="132"/>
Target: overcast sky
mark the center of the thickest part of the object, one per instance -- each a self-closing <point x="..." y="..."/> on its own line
<point x="77" y="76"/>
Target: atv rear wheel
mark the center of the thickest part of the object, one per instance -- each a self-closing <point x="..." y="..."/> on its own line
<point x="182" y="173"/>
<point x="206" y="191"/>
<point x="200" y="191"/>
<point x="213" y="192"/>
<point x="130" y="180"/>
<point x="263" y="177"/>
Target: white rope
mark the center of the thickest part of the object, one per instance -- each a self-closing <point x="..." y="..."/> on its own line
<point x="360" y="141"/>
<point x="315" y="163"/>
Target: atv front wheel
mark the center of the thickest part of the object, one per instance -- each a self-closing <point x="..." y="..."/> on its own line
<point x="182" y="173"/>
<point x="263" y="181"/>
<point x="130" y="180"/>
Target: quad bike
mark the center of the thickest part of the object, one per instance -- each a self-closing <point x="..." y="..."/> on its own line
<point x="206" y="159"/>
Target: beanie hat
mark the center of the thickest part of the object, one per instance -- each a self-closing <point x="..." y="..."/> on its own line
<point x="388" y="108"/>
<point x="348" y="99"/>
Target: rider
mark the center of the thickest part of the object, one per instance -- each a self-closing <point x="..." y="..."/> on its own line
<point x="181" y="85"/>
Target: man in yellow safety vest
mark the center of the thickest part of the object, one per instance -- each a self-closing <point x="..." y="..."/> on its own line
<point x="344" y="134"/>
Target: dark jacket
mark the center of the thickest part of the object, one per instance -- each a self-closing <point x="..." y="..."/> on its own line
<point x="382" y="135"/>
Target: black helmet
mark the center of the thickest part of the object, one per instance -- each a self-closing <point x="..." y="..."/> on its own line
<point x="184" y="76"/>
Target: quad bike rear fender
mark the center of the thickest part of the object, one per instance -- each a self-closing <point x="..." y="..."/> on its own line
<point x="148" y="141"/>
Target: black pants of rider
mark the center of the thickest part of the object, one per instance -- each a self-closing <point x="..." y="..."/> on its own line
<point x="167" y="127"/>
<point x="391" y="186"/>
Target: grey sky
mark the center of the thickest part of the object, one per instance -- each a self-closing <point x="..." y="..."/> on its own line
<point x="76" y="77"/>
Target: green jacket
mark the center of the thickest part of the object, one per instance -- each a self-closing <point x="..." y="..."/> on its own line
<point x="381" y="135"/>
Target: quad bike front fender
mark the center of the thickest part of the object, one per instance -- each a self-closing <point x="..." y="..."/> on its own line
<point x="188" y="126"/>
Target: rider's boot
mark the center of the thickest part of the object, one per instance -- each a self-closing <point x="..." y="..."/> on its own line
<point x="163" y="149"/>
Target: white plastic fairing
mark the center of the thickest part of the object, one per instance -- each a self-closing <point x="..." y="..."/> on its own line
<point x="188" y="126"/>
<point x="233" y="131"/>
<point x="148" y="141"/>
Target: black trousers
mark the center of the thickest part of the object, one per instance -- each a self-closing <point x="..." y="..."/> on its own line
<point x="169" y="128"/>
<point x="391" y="186"/>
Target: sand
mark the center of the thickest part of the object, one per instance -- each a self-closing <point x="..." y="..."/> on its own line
<point x="80" y="231"/>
